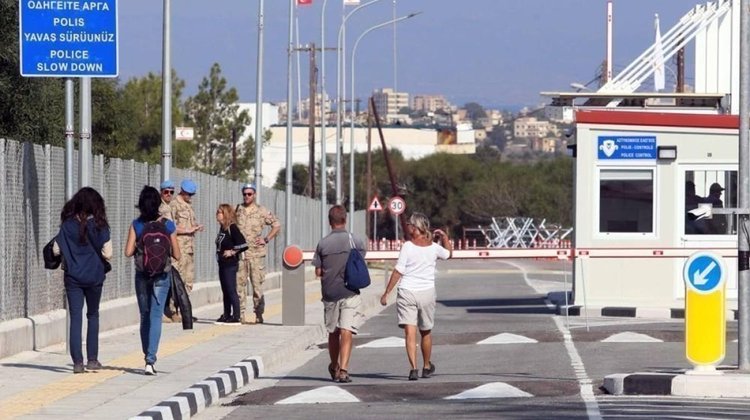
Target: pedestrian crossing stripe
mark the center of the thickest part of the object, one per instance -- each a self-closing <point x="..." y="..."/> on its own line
<point x="631" y="337"/>
<point x="388" y="342"/>
<point x="491" y="390"/>
<point x="506" y="338"/>
<point x="322" y="395"/>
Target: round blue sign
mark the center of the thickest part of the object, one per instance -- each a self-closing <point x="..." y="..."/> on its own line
<point x="704" y="272"/>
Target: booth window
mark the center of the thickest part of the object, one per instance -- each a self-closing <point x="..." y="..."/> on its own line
<point x="717" y="189"/>
<point x="626" y="201"/>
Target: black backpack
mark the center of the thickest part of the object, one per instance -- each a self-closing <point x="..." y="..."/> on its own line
<point x="155" y="249"/>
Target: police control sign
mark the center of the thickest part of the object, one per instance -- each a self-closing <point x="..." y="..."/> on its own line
<point x="626" y="147"/>
<point x="68" y="38"/>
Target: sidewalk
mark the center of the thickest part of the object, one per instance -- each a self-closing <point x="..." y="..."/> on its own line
<point x="41" y="385"/>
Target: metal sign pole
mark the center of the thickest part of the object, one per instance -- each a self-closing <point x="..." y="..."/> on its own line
<point x="743" y="276"/>
<point x="84" y="147"/>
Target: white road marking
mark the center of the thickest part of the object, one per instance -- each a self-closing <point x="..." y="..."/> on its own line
<point x="631" y="337"/>
<point x="491" y="390"/>
<point x="382" y="343"/>
<point x="506" y="338"/>
<point x="322" y="395"/>
<point x="584" y="382"/>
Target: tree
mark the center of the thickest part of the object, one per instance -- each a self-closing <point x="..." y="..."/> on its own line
<point x="474" y="111"/>
<point x="213" y="112"/>
<point x="142" y="99"/>
<point x="300" y="177"/>
<point x="31" y="108"/>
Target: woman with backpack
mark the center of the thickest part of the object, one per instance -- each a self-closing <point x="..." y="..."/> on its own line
<point x="84" y="243"/>
<point x="230" y="243"/>
<point x="152" y="240"/>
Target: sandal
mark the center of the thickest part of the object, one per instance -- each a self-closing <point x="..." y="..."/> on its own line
<point x="343" y="377"/>
<point x="332" y="371"/>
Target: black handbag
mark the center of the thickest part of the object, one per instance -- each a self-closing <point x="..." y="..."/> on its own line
<point x="51" y="261"/>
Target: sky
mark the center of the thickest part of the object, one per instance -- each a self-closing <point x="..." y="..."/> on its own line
<point x="499" y="53"/>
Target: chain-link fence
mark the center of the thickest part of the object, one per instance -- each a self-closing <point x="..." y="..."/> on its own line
<point x="32" y="193"/>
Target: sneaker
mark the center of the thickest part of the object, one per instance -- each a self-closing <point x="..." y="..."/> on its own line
<point x="93" y="365"/>
<point x="149" y="370"/>
<point x="414" y="374"/>
<point x="235" y="320"/>
<point x="222" y="319"/>
<point x="78" y="368"/>
<point x="258" y="318"/>
<point x="426" y="373"/>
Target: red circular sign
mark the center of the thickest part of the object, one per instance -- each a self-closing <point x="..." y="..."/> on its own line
<point x="397" y="205"/>
<point x="292" y="256"/>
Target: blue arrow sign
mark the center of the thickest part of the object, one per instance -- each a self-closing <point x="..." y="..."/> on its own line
<point x="704" y="272"/>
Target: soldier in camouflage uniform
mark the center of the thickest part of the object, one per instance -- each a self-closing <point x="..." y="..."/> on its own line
<point x="165" y="212"/>
<point x="167" y="194"/>
<point x="184" y="217"/>
<point x="251" y="219"/>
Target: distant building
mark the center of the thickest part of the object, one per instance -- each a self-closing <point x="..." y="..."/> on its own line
<point x="413" y="143"/>
<point x="530" y="127"/>
<point x="429" y="103"/>
<point x="389" y="102"/>
<point x="269" y="115"/>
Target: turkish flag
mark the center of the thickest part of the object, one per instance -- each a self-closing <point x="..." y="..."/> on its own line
<point x="303" y="2"/>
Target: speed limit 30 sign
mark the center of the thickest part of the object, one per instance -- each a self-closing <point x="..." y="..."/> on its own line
<point x="397" y="205"/>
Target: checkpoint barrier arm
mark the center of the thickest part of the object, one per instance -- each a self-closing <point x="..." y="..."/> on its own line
<point x="559" y="253"/>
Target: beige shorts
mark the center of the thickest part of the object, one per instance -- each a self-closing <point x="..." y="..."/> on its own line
<point x="416" y="307"/>
<point x="344" y="314"/>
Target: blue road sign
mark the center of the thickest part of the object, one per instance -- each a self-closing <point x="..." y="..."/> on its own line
<point x="704" y="272"/>
<point x="626" y="147"/>
<point x="68" y="38"/>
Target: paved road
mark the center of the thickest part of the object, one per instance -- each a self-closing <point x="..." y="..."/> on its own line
<point x="500" y="352"/>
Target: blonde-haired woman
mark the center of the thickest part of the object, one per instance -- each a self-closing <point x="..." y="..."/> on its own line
<point x="229" y="244"/>
<point x="415" y="275"/>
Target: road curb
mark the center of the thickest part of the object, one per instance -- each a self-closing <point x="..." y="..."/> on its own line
<point x="724" y="383"/>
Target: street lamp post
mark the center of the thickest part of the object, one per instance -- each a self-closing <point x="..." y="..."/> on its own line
<point x="166" y="100"/>
<point x="340" y="68"/>
<point x="259" y="104"/>
<point x="288" y="195"/>
<point x="351" y="130"/>
<point x="324" y="114"/>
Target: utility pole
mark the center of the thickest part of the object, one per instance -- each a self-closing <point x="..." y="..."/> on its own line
<point x="310" y="188"/>
<point x="311" y="128"/>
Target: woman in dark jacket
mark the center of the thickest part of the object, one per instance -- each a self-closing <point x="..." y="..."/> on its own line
<point x="229" y="244"/>
<point x="150" y="292"/>
<point x="84" y="241"/>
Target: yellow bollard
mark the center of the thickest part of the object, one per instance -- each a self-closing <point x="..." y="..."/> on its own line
<point x="705" y="316"/>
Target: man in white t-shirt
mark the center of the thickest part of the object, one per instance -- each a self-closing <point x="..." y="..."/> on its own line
<point x="415" y="275"/>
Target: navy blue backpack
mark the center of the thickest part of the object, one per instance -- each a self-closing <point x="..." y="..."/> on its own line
<point x="356" y="274"/>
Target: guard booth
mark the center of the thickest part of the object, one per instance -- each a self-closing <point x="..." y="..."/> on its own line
<point x="638" y="175"/>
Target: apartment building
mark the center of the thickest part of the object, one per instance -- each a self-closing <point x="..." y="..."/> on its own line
<point x="388" y="102"/>
<point x="530" y="127"/>
<point x="429" y="103"/>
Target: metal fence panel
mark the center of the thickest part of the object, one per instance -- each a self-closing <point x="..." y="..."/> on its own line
<point x="32" y="193"/>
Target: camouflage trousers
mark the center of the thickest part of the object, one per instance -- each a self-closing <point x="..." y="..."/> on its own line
<point x="186" y="267"/>
<point x="253" y="268"/>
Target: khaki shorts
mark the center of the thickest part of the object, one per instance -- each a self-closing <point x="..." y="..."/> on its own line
<point x="344" y="314"/>
<point x="416" y="307"/>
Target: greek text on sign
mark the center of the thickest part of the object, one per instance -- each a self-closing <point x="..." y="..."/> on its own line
<point x="704" y="272"/>
<point x="626" y="147"/>
<point x="397" y="205"/>
<point x="68" y="38"/>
